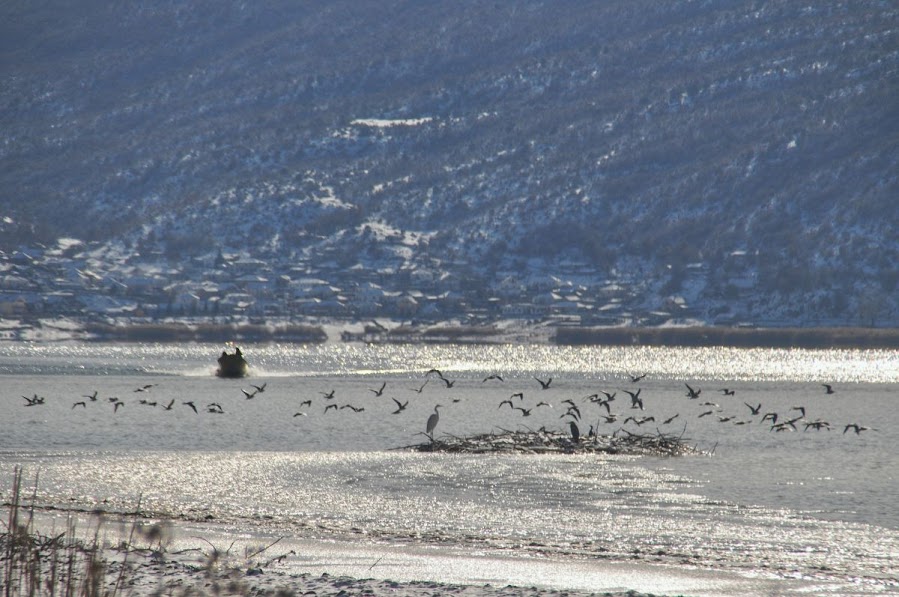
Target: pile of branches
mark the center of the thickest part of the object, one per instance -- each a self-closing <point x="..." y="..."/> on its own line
<point x="555" y="442"/>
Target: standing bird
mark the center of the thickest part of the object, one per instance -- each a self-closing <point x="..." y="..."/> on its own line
<point x="432" y="422"/>
<point x="575" y="432"/>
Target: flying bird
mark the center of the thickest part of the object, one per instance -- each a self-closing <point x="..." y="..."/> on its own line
<point x="691" y="393"/>
<point x="400" y="406"/>
<point x="380" y="390"/>
<point x="493" y="376"/>
<point x="190" y="404"/>
<point x="544" y="385"/>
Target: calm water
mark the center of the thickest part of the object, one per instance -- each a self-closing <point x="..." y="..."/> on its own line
<point x="811" y="505"/>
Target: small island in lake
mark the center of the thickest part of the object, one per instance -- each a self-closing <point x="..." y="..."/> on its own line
<point x="232" y="364"/>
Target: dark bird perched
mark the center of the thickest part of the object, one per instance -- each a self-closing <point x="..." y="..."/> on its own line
<point x="857" y="428"/>
<point x="575" y="432"/>
<point x="754" y="409"/>
<point x="260" y="389"/>
<point x="636" y="402"/>
<point x="493" y="376"/>
<point x="636" y="378"/>
<point x="190" y="404"/>
<point x="328" y="395"/>
<point x="355" y="409"/>
<point x="727" y="392"/>
<point x="93" y="396"/>
<point x="248" y="394"/>
<point x="79" y="404"/>
<point x="169" y="405"/>
<point x="544" y="385"/>
<point x="432" y="422"/>
<point x="691" y="393"/>
<point x="380" y="390"/>
<point x="400" y="406"/>
<point x="828" y="388"/>
<point x="330" y="406"/>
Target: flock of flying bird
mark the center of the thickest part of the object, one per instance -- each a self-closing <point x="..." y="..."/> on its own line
<point x="574" y="410"/>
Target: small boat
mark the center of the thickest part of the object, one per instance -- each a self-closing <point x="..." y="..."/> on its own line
<point x="232" y="364"/>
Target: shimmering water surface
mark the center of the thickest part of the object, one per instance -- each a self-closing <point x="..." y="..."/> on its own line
<point x="812" y="505"/>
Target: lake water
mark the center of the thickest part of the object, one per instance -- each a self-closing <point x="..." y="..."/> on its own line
<point x="788" y="512"/>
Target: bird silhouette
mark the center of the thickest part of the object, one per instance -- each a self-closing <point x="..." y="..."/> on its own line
<point x="828" y="388"/>
<point x="636" y="378"/>
<point x="669" y="419"/>
<point x="248" y="394"/>
<point x="449" y="382"/>
<point x="400" y="406"/>
<point x="260" y="389"/>
<point x="300" y="414"/>
<point x="857" y="428"/>
<point x="306" y="403"/>
<point x="169" y="405"/>
<point x="380" y="390"/>
<point x="191" y="405"/>
<point x="79" y="404"/>
<point x="636" y="402"/>
<point x="422" y="387"/>
<point x="525" y="412"/>
<point x="493" y="376"/>
<point x="691" y="393"/>
<point x="355" y="409"/>
<point x="544" y="385"/>
<point x="575" y="432"/>
<point x="754" y="409"/>
<point x="432" y="422"/>
<point x="328" y="395"/>
<point x="330" y="406"/>
<point x="93" y="396"/>
<point x="727" y="392"/>
<point x="518" y="395"/>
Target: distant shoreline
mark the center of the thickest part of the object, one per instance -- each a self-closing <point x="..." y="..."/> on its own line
<point x="451" y="333"/>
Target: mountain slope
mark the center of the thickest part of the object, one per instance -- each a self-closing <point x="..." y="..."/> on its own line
<point x="638" y="137"/>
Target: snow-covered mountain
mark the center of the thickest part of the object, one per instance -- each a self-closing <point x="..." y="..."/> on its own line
<point x="722" y="160"/>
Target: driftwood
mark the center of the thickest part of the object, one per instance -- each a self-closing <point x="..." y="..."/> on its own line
<point x="556" y="442"/>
